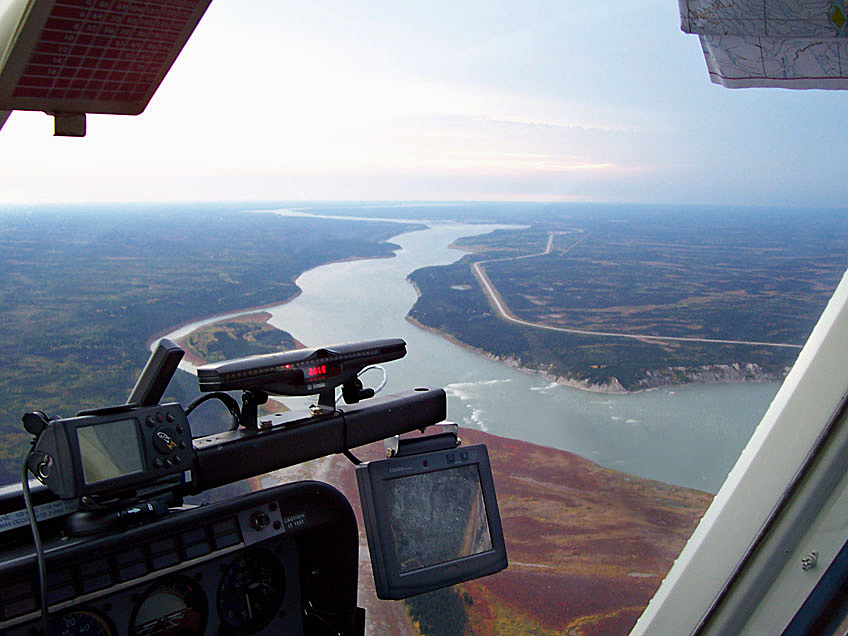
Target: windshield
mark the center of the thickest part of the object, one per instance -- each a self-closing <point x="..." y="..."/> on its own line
<point x="608" y="262"/>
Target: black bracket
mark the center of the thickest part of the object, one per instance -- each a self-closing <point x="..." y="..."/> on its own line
<point x="250" y="401"/>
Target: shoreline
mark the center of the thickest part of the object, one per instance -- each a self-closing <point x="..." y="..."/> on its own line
<point x="213" y="318"/>
<point x="614" y="388"/>
<point x="576" y="384"/>
<point x="722" y="374"/>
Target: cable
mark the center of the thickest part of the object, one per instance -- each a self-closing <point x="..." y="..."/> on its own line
<point x="380" y="368"/>
<point x="361" y="372"/>
<point x="310" y="611"/>
<point x="228" y="400"/>
<point x="353" y="458"/>
<point x="36" y="537"/>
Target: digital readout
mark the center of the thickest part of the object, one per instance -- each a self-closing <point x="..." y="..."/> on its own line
<point x="321" y="371"/>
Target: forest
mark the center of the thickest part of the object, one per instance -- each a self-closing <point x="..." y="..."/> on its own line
<point x="86" y="288"/>
<point x="711" y="275"/>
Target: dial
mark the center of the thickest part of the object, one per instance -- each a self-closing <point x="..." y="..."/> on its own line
<point x="251" y="592"/>
<point x="175" y="606"/>
<point x="82" y="621"/>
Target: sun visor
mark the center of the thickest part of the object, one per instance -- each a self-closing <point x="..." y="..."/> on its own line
<point x="71" y="57"/>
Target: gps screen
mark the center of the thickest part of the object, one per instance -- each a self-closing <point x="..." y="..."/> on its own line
<point x="109" y="450"/>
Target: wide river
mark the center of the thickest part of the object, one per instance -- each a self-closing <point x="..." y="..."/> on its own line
<point x="687" y="435"/>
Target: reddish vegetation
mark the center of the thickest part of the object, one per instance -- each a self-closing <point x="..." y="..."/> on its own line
<point x="587" y="546"/>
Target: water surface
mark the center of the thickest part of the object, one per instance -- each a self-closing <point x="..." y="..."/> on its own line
<point x="687" y="435"/>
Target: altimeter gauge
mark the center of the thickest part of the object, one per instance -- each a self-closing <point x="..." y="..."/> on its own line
<point x="251" y="592"/>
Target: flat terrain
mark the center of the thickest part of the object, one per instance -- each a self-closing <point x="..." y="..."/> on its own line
<point x="83" y="290"/>
<point x="635" y="298"/>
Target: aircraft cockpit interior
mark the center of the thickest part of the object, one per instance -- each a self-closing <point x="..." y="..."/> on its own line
<point x="96" y="540"/>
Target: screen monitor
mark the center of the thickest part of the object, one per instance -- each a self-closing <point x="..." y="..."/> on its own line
<point x="109" y="450"/>
<point x="431" y="519"/>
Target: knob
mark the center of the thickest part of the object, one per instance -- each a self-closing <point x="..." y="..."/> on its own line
<point x="260" y="520"/>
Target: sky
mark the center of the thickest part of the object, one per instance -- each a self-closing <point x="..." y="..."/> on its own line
<point x="519" y="100"/>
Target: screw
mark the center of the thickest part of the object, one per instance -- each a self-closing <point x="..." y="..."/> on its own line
<point x="809" y="561"/>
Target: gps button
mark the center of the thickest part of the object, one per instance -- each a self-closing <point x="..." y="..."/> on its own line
<point x="165" y="440"/>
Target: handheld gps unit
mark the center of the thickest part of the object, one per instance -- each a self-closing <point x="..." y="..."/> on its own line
<point x="113" y="450"/>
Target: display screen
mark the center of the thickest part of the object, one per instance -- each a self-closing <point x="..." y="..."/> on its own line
<point x="431" y="518"/>
<point x="109" y="450"/>
<point x="321" y="371"/>
<point x="437" y="517"/>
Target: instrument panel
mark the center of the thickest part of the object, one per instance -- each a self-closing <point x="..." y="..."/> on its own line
<point x="257" y="594"/>
<point x="249" y="591"/>
<point x="247" y="566"/>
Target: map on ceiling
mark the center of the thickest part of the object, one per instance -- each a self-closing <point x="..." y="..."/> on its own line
<point x="771" y="43"/>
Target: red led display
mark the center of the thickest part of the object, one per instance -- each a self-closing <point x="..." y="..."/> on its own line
<point x="321" y="371"/>
<point x="317" y="372"/>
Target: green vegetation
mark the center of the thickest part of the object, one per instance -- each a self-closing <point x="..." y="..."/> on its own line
<point x="246" y="336"/>
<point x="84" y="289"/>
<point x="440" y="613"/>
<point x="714" y="274"/>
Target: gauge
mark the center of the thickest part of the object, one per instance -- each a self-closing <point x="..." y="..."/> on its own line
<point x="82" y="621"/>
<point x="175" y="606"/>
<point x="251" y="592"/>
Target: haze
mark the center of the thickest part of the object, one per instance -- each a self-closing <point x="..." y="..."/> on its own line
<point x="504" y="100"/>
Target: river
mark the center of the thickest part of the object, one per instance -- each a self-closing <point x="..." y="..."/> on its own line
<point x="687" y="435"/>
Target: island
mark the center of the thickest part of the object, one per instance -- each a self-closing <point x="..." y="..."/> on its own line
<point x="243" y="335"/>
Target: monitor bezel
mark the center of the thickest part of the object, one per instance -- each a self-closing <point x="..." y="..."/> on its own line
<point x="390" y="582"/>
